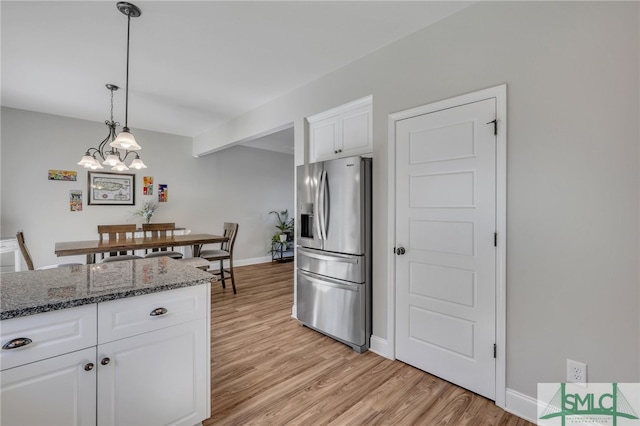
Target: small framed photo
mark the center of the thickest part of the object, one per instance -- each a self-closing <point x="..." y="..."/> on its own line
<point x="111" y="189"/>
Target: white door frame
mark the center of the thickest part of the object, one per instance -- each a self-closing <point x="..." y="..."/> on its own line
<point x="500" y="94"/>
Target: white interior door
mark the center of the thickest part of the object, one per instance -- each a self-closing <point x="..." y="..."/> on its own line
<point x="446" y="223"/>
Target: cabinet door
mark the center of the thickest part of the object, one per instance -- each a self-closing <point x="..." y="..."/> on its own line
<point x="324" y="139"/>
<point x="55" y="391"/>
<point x="156" y="378"/>
<point x="356" y="132"/>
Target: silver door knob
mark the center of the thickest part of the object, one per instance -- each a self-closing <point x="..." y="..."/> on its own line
<point x="105" y="361"/>
<point x="88" y="367"/>
<point x="400" y="251"/>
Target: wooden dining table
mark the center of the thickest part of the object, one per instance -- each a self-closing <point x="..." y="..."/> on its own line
<point x="92" y="247"/>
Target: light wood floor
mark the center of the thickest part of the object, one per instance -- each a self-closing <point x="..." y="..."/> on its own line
<point x="268" y="370"/>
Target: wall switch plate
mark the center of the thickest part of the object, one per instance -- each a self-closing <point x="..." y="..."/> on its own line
<point x="576" y="371"/>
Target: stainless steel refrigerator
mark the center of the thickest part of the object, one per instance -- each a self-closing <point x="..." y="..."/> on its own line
<point x="333" y="221"/>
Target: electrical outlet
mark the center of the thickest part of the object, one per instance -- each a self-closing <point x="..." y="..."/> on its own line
<point x="576" y="371"/>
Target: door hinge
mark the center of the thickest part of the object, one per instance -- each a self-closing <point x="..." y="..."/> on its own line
<point x="495" y="239"/>
<point x="495" y="126"/>
<point x="494" y="350"/>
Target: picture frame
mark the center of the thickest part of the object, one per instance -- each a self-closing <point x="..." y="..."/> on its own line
<point x="111" y="189"/>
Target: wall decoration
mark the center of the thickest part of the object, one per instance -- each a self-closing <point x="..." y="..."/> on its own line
<point x="75" y="200"/>
<point x="67" y="175"/>
<point x="111" y="189"/>
<point x="147" y="185"/>
<point x="163" y="193"/>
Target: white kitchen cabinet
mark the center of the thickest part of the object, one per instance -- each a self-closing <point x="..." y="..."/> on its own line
<point x="155" y="378"/>
<point x="48" y="368"/>
<point x="153" y="357"/>
<point x="341" y="132"/>
<point x="56" y="391"/>
<point x="142" y="360"/>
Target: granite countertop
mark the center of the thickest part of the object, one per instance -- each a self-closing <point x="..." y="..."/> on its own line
<point x="33" y="292"/>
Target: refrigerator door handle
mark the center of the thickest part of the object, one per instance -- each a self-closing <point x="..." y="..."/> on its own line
<point x="322" y="205"/>
<point x="317" y="218"/>
<point x="327" y="283"/>
<point x="326" y="204"/>
<point x="334" y="257"/>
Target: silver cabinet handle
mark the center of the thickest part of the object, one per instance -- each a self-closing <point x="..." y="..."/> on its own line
<point x="158" y="311"/>
<point x="105" y="361"/>
<point x="88" y="367"/>
<point x="400" y="251"/>
<point x="16" y="343"/>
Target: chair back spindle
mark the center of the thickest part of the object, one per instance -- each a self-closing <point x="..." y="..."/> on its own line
<point x="115" y="233"/>
<point x="160" y="230"/>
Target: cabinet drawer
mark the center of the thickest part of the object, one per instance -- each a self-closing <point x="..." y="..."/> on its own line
<point x="122" y="318"/>
<point x="51" y="334"/>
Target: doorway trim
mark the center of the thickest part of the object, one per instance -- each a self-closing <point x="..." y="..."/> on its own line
<point x="500" y="94"/>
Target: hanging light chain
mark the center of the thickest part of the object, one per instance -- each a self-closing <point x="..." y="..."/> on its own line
<point x="111" y="89"/>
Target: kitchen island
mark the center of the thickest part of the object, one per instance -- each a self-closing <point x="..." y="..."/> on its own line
<point x="117" y="343"/>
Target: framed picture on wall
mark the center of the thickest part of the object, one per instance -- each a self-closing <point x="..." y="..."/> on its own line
<point x="111" y="189"/>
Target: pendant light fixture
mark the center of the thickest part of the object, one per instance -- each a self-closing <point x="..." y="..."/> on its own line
<point x="125" y="139"/>
<point x="113" y="157"/>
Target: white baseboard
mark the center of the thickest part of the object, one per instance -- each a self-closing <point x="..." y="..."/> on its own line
<point x="522" y="406"/>
<point x="252" y="261"/>
<point x="381" y="347"/>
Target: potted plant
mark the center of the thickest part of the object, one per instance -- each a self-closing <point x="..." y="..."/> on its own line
<point x="284" y="235"/>
<point x="146" y="211"/>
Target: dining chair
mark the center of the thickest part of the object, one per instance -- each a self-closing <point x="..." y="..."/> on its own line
<point x="27" y="255"/>
<point x="117" y="232"/>
<point x="196" y="262"/>
<point x="160" y="230"/>
<point x="224" y="253"/>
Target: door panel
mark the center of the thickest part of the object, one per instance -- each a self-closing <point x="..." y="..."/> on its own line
<point x="446" y="220"/>
<point x="133" y="393"/>
<point x="54" y="391"/>
<point x="307" y="220"/>
<point x="344" y="205"/>
<point x="332" y="306"/>
<point x="346" y="267"/>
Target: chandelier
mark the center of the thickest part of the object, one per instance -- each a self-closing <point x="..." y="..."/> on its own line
<point x="125" y="140"/>
<point x="112" y="157"/>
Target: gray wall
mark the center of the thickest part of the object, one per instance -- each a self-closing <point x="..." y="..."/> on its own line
<point x="572" y="70"/>
<point x="238" y="184"/>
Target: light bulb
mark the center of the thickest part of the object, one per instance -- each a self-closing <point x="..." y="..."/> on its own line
<point x="137" y="164"/>
<point x="111" y="160"/>
<point x="125" y="140"/>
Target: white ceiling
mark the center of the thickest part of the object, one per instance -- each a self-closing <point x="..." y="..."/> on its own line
<point x="194" y="65"/>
